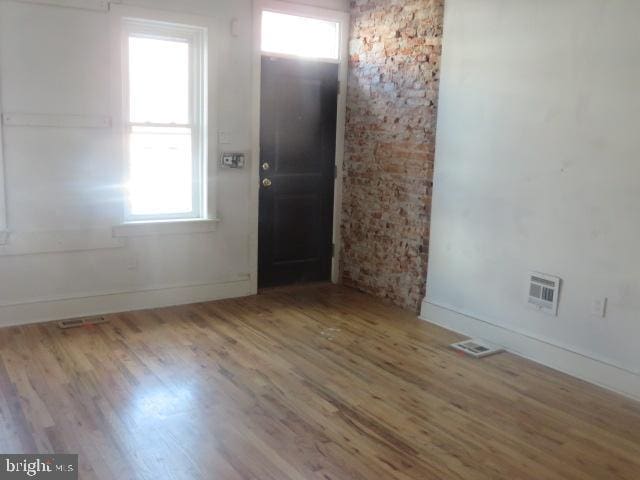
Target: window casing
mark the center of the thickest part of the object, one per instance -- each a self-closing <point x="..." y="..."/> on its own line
<point x="165" y="98"/>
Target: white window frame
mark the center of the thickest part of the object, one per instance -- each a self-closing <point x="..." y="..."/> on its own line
<point x="4" y="228"/>
<point x="197" y="38"/>
<point x="4" y="233"/>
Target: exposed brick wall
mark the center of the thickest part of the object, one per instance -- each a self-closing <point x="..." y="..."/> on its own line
<point x="395" y="53"/>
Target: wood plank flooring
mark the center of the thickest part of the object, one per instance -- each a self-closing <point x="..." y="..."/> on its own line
<point x="318" y="382"/>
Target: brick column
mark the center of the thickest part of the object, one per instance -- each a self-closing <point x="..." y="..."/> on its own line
<point x="395" y="49"/>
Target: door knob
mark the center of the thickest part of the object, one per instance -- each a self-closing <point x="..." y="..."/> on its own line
<point x="265" y="166"/>
<point x="266" y="183"/>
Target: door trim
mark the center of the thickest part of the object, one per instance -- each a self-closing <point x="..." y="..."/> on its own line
<point x="343" y="70"/>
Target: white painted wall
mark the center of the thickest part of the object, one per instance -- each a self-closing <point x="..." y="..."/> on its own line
<point x="538" y="169"/>
<point x="62" y="184"/>
<point x="341" y="5"/>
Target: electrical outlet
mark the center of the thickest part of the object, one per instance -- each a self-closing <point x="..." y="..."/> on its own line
<point x="235" y="27"/>
<point x="132" y="263"/>
<point x="599" y="307"/>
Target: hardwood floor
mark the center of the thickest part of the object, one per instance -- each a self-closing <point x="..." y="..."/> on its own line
<point x="318" y="382"/>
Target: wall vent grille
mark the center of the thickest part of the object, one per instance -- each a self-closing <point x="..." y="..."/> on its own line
<point x="543" y="292"/>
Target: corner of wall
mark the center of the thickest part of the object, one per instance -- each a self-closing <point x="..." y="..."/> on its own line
<point x="545" y="353"/>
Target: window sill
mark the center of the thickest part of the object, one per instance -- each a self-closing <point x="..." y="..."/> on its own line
<point x="167" y="227"/>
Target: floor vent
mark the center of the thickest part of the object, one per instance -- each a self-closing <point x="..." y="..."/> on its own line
<point x="81" y="322"/>
<point x="477" y="348"/>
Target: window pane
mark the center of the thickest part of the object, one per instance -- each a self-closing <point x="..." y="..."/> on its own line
<point x="158" y="80"/>
<point x="301" y="36"/>
<point x="160" y="171"/>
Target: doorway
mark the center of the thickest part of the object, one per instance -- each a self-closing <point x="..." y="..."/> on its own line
<point x="297" y="158"/>
<point x="300" y="152"/>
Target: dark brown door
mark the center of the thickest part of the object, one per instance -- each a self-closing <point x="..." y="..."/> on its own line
<point x="297" y="156"/>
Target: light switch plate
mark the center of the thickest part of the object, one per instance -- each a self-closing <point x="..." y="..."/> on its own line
<point x="224" y="138"/>
<point x="233" y="160"/>
<point x="599" y="307"/>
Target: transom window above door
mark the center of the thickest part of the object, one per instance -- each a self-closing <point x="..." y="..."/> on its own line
<point x="299" y="36"/>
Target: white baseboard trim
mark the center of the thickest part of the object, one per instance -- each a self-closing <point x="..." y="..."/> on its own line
<point x="554" y="356"/>
<point x="45" y="311"/>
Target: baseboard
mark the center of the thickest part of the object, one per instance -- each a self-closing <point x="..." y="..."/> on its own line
<point x="59" y="309"/>
<point x="579" y="365"/>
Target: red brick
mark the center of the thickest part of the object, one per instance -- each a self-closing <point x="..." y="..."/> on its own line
<point x="395" y="52"/>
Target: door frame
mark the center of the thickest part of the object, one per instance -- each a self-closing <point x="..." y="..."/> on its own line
<point x="343" y="70"/>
